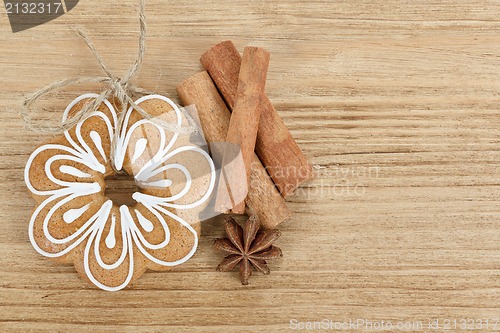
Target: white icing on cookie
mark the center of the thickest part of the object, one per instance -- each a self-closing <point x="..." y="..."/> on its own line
<point x="140" y="147"/>
<point x="111" y="239"/>
<point x="71" y="215"/>
<point x="91" y="230"/>
<point x="96" y="138"/>
<point x="144" y="222"/>
<point x="160" y="183"/>
<point x="73" y="171"/>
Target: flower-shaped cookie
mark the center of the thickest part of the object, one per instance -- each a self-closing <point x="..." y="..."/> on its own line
<point x="109" y="244"/>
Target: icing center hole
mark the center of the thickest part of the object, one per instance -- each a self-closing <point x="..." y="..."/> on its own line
<point x="120" y="187"/>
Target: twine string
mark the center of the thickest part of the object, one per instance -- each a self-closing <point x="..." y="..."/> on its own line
<point x="121" y="88"/>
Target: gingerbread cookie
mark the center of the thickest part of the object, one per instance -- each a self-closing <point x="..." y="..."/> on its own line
<point x="111" y="245"/>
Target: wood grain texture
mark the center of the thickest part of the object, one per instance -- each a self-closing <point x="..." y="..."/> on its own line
<point x="395" y="102"/>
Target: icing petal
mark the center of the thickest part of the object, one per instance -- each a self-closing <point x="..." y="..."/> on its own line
<point x="72" y="214"/>
<point x="54" y="236"/>
<point x="180" y="239"/>
<point x="110" y="268"/>
<point x="111" y="238"/>
<point x="140" y="147"/>
<point x="146" y="224"/>
<point x="191" y="179"/>
<point x="141" y="142"/>
<point x="151" y="226"/>
<point x="97" y="140"/>
<point x="92" y="137"/>
<point x="70" y="170"/>
<point x="54" y="167"/>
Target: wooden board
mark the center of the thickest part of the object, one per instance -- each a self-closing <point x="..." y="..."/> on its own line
<point x="397" y="103"/>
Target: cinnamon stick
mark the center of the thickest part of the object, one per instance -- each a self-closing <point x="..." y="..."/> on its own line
<point x="243" y="126"/>
<point x="277" y="150"/>
<point x="263" y="198"/>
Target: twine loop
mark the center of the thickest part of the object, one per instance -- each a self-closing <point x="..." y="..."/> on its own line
<point x="120" y="88"/>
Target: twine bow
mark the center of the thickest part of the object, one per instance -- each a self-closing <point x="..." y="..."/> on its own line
<point x="121" y="88"/>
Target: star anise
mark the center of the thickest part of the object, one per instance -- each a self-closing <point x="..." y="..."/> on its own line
<point x="247" y="247"/>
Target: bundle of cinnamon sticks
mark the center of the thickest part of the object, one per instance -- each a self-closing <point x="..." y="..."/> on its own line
<point x="233" y="107"/>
